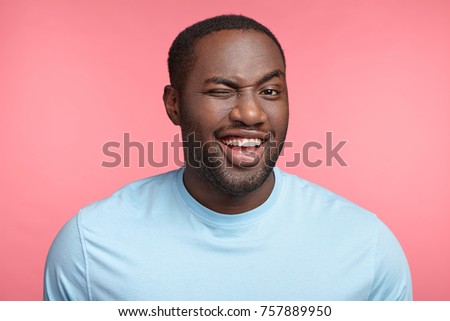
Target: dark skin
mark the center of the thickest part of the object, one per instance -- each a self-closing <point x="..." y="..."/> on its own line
<point x="236" y="90"/>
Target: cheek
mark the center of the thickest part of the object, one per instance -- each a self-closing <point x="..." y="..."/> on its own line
<point x="278" y="117"/>
<point x="205" y="111"/>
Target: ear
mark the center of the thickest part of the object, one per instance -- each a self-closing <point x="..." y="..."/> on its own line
<point x="171" y="100"/>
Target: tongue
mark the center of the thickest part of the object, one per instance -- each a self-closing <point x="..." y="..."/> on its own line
<point x="247" y="148"/>
<point x="244" y="156"/>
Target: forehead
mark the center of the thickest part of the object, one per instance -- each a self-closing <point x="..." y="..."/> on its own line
<point x="237" y="54"/>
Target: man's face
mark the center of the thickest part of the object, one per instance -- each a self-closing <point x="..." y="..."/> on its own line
<point x="234" y="109"/>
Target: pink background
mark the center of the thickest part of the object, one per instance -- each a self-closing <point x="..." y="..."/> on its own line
<point x="76" y="74"/>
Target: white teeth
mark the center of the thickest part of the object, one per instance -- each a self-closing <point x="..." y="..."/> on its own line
<point x="243" y="142"/>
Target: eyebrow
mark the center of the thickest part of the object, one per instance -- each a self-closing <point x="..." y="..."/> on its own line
<point x="233" y="84"/>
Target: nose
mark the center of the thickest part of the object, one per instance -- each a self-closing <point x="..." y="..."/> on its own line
<point x="248" y="110"/>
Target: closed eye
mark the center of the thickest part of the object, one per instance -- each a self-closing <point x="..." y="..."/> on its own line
<point x="221" y="93"/>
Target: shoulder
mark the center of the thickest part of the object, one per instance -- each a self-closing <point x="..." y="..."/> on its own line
<point x="321" y="203"/>
<point x="96" y="227"/>
<point x="132" y="200"/>
<point x="392" y="277"/>
<point x="65" y="275"/>
<point x="350" y="226"/>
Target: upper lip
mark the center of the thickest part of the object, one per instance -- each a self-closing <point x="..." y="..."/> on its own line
<point x="244" y="133"/>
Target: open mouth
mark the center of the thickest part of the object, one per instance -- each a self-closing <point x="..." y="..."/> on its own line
<point x="242" y="152"/>
<point x="241" y="142"/>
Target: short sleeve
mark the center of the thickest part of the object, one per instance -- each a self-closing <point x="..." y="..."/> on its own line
<point x="65" y="268"/>
<point x="392" y="278"/>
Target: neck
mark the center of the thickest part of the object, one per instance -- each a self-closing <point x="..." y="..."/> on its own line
<point x="217" y="200"/>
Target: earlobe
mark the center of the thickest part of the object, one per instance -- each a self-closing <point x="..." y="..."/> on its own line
<point x="171" y="101"/>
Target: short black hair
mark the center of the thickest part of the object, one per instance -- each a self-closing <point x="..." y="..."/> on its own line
<point x="181" y="53"/>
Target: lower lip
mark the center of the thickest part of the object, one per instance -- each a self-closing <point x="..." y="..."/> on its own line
<point x="243" y="156"/>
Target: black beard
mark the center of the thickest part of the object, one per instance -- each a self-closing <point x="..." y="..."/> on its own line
<point x="209" y="160"/>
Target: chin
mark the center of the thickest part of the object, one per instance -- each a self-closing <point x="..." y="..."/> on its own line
<point x="237" y="181"/>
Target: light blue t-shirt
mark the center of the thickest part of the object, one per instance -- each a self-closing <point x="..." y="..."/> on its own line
<point x="151" y="240"/>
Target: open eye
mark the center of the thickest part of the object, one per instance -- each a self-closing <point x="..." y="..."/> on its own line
<point x="270" y="92"/>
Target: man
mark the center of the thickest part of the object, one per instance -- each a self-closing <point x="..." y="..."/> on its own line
<point x="229" y="225"/>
